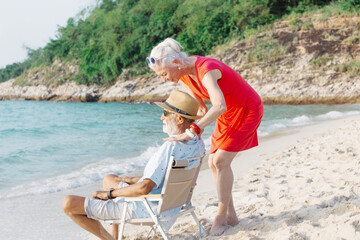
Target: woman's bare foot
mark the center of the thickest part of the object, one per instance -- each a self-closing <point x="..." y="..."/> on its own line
<point x="231" y="218"/>
<point x="219" y="226"/>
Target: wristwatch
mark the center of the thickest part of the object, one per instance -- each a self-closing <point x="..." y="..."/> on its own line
<point x="109" y="193"/>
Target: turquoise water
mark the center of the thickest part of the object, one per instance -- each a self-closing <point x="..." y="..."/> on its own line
<point x="47" y="146"/>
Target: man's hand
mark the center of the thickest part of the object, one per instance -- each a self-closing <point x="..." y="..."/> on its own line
<point x="100" y="195"/>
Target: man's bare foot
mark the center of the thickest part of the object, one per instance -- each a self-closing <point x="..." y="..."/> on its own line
<point x="219" y="226"/>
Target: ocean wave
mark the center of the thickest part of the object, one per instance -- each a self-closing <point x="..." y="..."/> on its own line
<point x="19" y="130"/>
<point x="336" y="114"/>
<point x="95" y="172"/>
<point x="279" y="124"/>
<point x="301" y="120"/>
<point x="88" y="174"/>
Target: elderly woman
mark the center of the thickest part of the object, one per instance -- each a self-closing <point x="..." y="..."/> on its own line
<point x="235" y="105"/>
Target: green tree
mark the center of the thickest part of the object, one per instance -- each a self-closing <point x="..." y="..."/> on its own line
<point x="119" y="34"/>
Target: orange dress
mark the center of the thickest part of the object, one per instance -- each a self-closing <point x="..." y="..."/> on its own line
<point x="235" y="130"/>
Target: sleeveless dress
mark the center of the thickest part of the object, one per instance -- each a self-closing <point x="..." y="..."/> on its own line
<point x="235" y="130"/>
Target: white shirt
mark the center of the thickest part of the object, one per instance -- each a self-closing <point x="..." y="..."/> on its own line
<point x="156" y="168"/>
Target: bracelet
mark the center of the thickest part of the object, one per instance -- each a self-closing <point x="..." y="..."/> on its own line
<point x="190" y="134"/>
<point x="109" y="193"/>
<point x="193" y="131"/>
<point x="196" y="128"/>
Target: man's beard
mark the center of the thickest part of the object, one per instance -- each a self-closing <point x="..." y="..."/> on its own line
<point x="170" y="127"/>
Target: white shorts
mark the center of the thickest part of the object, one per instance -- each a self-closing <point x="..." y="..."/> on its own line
<point x="102" y="210"/>
<point x="112" y="209"/>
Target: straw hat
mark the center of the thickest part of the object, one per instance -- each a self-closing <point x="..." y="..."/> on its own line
<point x="181" y="103"/>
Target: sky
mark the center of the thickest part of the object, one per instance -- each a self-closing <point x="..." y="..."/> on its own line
<point x="32" y="23"/>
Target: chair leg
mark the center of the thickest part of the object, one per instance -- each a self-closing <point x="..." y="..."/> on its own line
<point x="123" y="219"/>
<point x="201" y="228"/>
<point x="162" y="231"/>
<point x="152" y="232"/>
<point x="155" y="219"/>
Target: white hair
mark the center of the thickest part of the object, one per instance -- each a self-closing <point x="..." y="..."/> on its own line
<point x="171" y="128"/>
<point x="166" y="51"/>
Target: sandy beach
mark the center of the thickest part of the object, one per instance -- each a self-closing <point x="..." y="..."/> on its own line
<point x="301" y="183"/>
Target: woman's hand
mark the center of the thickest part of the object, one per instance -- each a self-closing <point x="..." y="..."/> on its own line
<point x="100" y="195"/>
<point x="201" y="131"/>
<point x="180" y="137"/>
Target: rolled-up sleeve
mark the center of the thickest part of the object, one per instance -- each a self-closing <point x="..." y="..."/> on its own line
<point x="156" y="167"/>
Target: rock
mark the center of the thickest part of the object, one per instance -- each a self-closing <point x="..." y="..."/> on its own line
<point x="312" y="71"/>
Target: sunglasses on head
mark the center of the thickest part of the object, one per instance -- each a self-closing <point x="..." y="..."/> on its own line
<point x="153" y="61"/>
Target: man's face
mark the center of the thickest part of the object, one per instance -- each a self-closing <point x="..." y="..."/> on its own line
<point x="170" y="127"/>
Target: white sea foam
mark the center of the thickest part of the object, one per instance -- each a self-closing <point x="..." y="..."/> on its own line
<point x="336" y="114"/>
<point x="86" y="175"/>
<point x="207" y="143"/>
<point x="275" y="125"/>
<point x="301" y="120"/>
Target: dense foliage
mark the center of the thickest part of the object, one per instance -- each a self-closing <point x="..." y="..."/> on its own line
<point x="119" y="34"/>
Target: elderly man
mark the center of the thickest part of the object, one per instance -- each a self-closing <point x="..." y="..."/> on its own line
<point x="180" y="111"/>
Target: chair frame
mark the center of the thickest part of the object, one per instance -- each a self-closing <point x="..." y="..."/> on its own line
<point x="155" y="221"/>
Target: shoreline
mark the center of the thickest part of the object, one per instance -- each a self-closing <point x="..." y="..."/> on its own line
<point x="160" y="98"/>
<point x="142" y="90"/>
<point x="51" y="223"/>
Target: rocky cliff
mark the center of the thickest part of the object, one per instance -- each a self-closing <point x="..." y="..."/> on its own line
<point x="300" y="61"/>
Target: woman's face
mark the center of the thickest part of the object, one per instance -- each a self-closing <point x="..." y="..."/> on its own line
<point x="168" y="73"/>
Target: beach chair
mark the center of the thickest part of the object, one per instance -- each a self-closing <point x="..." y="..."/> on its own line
<point x="177" y="191"/>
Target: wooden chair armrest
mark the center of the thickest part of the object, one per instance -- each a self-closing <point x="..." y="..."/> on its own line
<point x="150" y="197"/>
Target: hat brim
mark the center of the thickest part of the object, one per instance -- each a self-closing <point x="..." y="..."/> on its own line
<point x="163" y="105"/>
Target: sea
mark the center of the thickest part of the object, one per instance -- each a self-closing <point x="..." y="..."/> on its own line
<point x="48" y="147"/>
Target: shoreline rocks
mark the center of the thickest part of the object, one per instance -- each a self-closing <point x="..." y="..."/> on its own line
<point x="318" y="65"/>
<point x="275" y="92"/>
